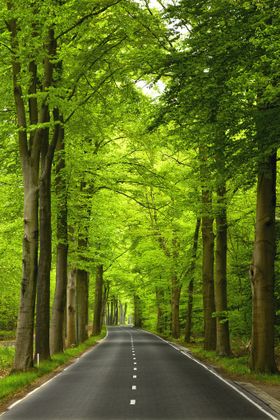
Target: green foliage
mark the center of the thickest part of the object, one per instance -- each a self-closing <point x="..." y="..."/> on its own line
<point x="6" y="357"/>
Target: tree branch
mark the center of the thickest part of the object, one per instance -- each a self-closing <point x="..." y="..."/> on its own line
<point x="88" y="16"/>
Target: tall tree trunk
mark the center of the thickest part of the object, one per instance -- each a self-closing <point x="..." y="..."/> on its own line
<point x="160" y="309"/>
<point x="175" y="306"/>
<point x="97" y="318"/>
<point x="190" y="273"/>
<point x="29" y="151"/>
<point x="223" y="340"/>
<point x="25" y="326"/>
<point x="116" y="311"/>
<point x="43" y="282"/>
<point x="104" y="317"/>
<point x="208" y="272"/>
<point x="58" y="311"/>
<point x="124" y="313"/>
<point x="71" y="309"/>
<point x="109" y="322"/>
<point x="47" y="153"/>
<point x="175" y="291"/>
<point x="262" y="358"/>
<point x="137" y="312"/>
<point x="82" y="279"/>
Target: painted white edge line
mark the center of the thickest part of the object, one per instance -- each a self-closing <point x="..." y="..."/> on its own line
<point x="217" y="376"/>
<point x="45" y="383"/>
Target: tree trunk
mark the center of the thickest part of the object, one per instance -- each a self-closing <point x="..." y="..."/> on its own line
<point x="160" y="309"/>
<point x="223" y="340"/>
<point x="137" y="312"/>
<point x="97" y="319"/>
<point x="116" y="311"/>
<point x="124" y="313"/>
<point x="58" y="311"/>
<point x="71" y="309"/>
<point x="25" y="326"/>
<point x="175" y="306"/>
<point x="29" y="155"/>
<point x="82" y="278"/>
<point x="43" y="282"/>
<point x="208" y="273"/>
<point x="46" y="158"/>
<point x="262" y="358"/>
<point x="104" y="317"/>
<point x="190" y="273"/>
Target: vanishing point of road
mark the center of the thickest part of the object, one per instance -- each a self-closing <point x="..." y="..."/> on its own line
<point x="133" y="374"/>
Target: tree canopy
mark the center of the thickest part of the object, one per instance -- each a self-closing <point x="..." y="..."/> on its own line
<point x="138" y="181"/>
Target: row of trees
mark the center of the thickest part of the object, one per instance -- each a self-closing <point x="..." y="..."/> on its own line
<point x="123" y="189"/>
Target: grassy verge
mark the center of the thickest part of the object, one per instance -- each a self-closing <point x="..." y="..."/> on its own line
<point x="235" y="366"/>
<point x="15" y="382"/>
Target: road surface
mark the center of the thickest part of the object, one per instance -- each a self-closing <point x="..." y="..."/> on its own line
<point x="135" y="375"/>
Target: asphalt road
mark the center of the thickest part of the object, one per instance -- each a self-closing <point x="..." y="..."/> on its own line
<point x="135" y="375"/>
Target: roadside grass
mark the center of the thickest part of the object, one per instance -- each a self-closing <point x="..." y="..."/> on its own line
<point x="236" y="365"/>
<point x="16" y="381"/>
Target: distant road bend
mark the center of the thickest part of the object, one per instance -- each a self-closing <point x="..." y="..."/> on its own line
<point x="135" y="375"/>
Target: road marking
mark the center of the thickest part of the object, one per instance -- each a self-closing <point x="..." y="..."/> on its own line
<point x="15" y="403"/>
<point x="134" y="376"/>
<point x="134" y="358"/>
<point x="218" y="376"/>
<point x="133" y="387"/>
<point x="134" y="368"/>
<point x="135" y="363"/>
<point x="132" y="402"/>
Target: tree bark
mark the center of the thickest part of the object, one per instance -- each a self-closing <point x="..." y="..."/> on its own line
<point x="223" y="338"/>
<point x="47" y="154"/>
<point x="208" y="273"/>
<point x="82" y="279"/>
<point x="138" y="322"/>
<point x="58" y="311"/>
<point x="262" y="358"/>
<point x="29" y="155"/>
<point x="160" y="309"/>
<point x="175" y="306"/>
<point x="25" y="326"/>
<point x="71" y="310"/>
<point x="43" y="281"/>
<point x="190" y="273"/>
<point x="98" y="299"/>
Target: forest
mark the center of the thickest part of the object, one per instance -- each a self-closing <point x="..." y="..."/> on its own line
<point x="138" y="147"/>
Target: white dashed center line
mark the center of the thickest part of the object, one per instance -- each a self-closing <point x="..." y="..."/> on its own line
<point x="133" y="387"/>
